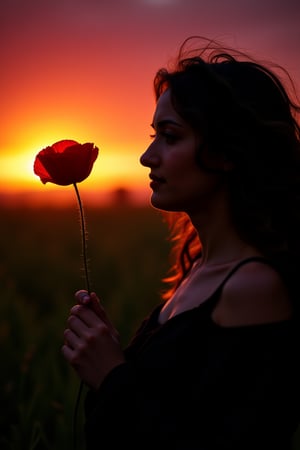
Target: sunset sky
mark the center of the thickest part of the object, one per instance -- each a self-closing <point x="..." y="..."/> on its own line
<point x="83" y="70"/>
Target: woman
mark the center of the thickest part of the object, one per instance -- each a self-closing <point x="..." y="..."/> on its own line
<point x="216" y="364"/>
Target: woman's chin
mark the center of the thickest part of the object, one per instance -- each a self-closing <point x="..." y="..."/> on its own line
<point x="160" y="203"/>
<point x="157" y="202"/>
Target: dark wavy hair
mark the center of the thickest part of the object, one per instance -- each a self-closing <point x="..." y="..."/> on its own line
<point x="243" y="111"/>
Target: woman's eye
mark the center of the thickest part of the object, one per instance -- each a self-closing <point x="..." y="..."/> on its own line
<point x="168" y="137"/>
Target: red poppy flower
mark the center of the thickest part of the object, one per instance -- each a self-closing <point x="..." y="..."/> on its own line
<point x="65" y="162"/>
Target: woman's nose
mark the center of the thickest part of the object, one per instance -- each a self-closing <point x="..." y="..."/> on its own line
<point x="150" y="158"/>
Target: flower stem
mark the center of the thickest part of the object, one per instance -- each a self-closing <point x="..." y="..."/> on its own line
<point x="88" y="288"/>
<point x="83" y="237"/>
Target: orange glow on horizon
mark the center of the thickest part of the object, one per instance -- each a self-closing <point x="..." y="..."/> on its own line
<point x="84" y="71"/>
<point x="43" y="108"/>
<point x="114" y="168"/>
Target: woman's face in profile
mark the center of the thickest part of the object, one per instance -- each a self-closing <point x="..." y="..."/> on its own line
<point x="178" y="183"/>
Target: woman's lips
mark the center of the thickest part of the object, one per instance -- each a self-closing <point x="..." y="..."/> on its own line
<point x="156" y="181"/>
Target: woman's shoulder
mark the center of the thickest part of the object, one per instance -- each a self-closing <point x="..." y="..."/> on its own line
<point x="254" y="294"/>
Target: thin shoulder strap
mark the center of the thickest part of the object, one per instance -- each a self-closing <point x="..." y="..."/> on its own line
<point x="242" y="263"/>
<point x="216" y="294"/>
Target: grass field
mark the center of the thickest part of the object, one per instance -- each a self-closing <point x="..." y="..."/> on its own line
<point x="40" y="269"/>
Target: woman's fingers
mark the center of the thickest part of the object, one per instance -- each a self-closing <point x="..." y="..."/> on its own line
<point x="82" y="297"/>
<point x="91" y="344"/>
<point x="92" y="301"/>
<point x="71" y="338"/>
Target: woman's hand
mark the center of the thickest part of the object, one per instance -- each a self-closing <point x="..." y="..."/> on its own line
<point x="91" y="343"/>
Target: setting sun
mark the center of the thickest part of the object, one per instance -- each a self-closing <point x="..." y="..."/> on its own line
<point x="117" y="165"/>
<point x="84" y="71"/>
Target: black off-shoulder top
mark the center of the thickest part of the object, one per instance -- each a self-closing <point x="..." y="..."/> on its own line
<point x="191" y="384"/>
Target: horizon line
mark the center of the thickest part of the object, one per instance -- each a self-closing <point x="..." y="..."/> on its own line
<point x="63" y="197"/>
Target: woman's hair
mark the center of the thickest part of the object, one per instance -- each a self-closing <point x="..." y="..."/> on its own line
<point x="242" y="111"/>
